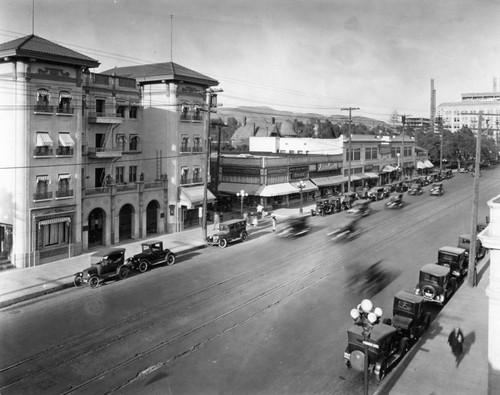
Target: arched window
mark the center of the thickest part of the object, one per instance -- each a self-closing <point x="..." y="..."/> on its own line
<point x="65" y="103"/>
<point x="185" y="111"/>
<point x="42" y="101"/>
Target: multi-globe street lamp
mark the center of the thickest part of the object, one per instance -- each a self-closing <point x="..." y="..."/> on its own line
<point x="242" y="194"/>
<point x="366" y="316"/>
<point x="301" y="185"/>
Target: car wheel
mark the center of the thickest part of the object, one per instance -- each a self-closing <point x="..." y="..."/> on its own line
<point x="223" y="243"/>
<point x="244" y="236"/>
<point x="123" y="272"/>
<point x="93" y="281"/>
<point x="429" y="291"/>
<point x="143" y="266"/>
<point x="78" y="280"/>
<point x="381" y="373"/>
<point x="170" y="259"/>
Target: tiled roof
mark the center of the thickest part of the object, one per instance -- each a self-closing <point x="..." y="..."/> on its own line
<point x="167" y="71"/>
<point x="36" y="47"/>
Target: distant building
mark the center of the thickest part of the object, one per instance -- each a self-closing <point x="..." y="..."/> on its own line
<point x="418" y="123"/>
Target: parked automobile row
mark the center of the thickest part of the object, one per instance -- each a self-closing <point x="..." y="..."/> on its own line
<point x="390" y="340"/>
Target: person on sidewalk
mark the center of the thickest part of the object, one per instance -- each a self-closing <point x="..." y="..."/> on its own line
<point x="456" y="341"/>
<point x="274" y="223"/>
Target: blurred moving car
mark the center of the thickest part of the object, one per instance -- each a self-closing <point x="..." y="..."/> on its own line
<point x="345" y="230"/>
<point x="293" y="227"/>
<point x="360" y="208"/>
<point x="437" y="189"/>
<point x="104" y="264"/>
<point x="395" y="201"/>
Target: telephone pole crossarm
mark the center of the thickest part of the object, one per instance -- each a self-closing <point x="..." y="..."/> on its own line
<point x="349" y="149"/>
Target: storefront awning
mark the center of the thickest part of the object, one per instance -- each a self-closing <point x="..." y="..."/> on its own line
<point x="322" y="181"/>
<point x="309" y="186"/>
<point x="428" y="163"/>
<point x="336" y="180"/>
<point x="65" y="140"/>
<point x="355" y="177"/>
<point x="388" y="169"/>
<point x="369" y="175"/>
<point x="233" y="188"/>
<point x="421" y="165"/>
<point x="193" y="196"/>
<point x="54" y="221"/>
<point x="43" y="140"/>
<point x="277" y="190"/>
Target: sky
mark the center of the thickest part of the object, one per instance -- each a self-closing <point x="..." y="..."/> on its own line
<point x="299" y="55"/>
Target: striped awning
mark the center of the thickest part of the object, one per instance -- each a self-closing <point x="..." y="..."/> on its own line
<point x="65" y="140"/>
<point x="428" y="163"/>
<point x="282" y="189"/>
<point x="421" y="165"/>
<point x="369" y="175"/>
<point x="64" y="94"/>
<point x="64" y="176"/>
<point x="42" y="92"/>
<point x="42" y="179"/>
<point x="54" y="221"/>
<point x="193" y="196"/>
<point x="388" y="169"/>
<point x="308" y="186"/>
<point x="234" y="188"/>
<point x="43" y="140"/>
<point x="322" y="181"/>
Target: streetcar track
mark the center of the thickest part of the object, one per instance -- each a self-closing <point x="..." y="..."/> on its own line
<point x="376" y="238"/>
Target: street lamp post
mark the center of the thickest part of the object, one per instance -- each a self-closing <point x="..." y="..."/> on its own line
<point x="301" y="185"/>
<point x="242" y="194"/>
<point x="367" y="316"/>
<point x="399" y="167"/>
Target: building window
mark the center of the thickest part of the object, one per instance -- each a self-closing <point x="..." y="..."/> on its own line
<point x="197" y="144"/>
<point x="121" y="142"/>
<point x="395" y="151"/>
<point x="197" y="174"/>
<point x="197" y="112"/>
<point x="119" y="172"/>
<point x="408" y="151"/>
<point x="132" y="112"/>
<point x="134" y="142"/>
<point x="120" y="110"/>
<point x="184" y="143"/>
<point x="43" y="144"/>
<point x="100" y="107"/>
<point x="63" y="186"/>
<point x="355" y="154"/>
<point x="66" y="145"/>
<point x="65" y="103"/>
<point x="42" y="101"/>
<point x="53" y="234"/>
<point x="100" y="140"/>
<point x="132" y="174"/>
<point x="42" y="188"/>
<point x="371" y="153"/>
<point x="184" y="112"/>
<point x="184" y="175"/>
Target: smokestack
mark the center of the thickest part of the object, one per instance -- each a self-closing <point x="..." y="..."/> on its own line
<point x="244" y="121"/>
<point x="433" y="105"/>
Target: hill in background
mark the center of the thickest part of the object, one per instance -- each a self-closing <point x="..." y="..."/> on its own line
<point x="263" y="116"/>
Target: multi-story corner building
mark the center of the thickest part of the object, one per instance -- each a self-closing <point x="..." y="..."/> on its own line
<point x="91" y="159"/>
<point x="465" y="113"/>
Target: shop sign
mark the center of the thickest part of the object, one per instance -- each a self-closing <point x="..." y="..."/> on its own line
<point x="283" y="170"/>
<point x="299" y="172"/>
<point x="328" y="166"/>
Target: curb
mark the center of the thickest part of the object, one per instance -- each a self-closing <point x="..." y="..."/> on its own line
<point x="69" y="284"/>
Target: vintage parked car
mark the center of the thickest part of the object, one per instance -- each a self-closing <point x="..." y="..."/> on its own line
<point x="448" y="173"/>
<point x="455" y="258"/>
<point x="464" y="242"/>
<point x="436" y="284"/>
<point x="377" y="193"/>
<point x="409" y="315"/>
<point x="415" y="189"/>
<point x="235" y="229"/>
<point x="395" y="201"/>
<point x="104" y="264"/>
<point x="327" y="206"/>
<point x="152" y="254"/>
<point x="293" y="227"/>
<point x="386" y="347"/>
<point x="437" y="189"/>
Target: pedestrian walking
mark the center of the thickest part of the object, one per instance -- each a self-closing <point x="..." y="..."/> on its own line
<point x="456" y="341"/>
<point x="274" y="223"/>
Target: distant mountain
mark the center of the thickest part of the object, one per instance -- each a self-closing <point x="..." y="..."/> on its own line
<point x="264" y="115"/>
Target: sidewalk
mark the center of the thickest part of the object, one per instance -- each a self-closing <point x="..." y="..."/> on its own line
<point x="430" y="368"/>
<point x="19" y="285"/>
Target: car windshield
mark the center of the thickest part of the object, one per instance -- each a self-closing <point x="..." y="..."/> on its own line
<point x="446" y="257"/>
<point x="145" y="248"/>
<point x="431" y="278"/>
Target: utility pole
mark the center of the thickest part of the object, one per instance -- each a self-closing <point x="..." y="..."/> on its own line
<point x="349" y="150"/>
<point x="475" y="203"/>
<point x="441" y="130"/>
<point x="211" y="103"/>
<point x="403" y="121"/>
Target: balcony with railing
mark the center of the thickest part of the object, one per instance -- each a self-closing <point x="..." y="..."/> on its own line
<point x="126" y="187"/>
<point x="104" y="152"/>
<point x="65" y="110"/>
<point x="153" y="185"/>
<point x="105" y="117"/>
<point x="64" y="194"/>
<point x="96" y="191"/>
<point x="65" y="151"/>
<point x="42" y="196"/>
<point x="191" y="180"/>
<point x="43" y="152"/>
<point x="44" y="109"/>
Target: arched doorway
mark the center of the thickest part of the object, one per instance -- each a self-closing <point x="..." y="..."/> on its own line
<point x="96" y="222"/>
<point x="125" y="222"/>
<point x="152" y="217"/>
